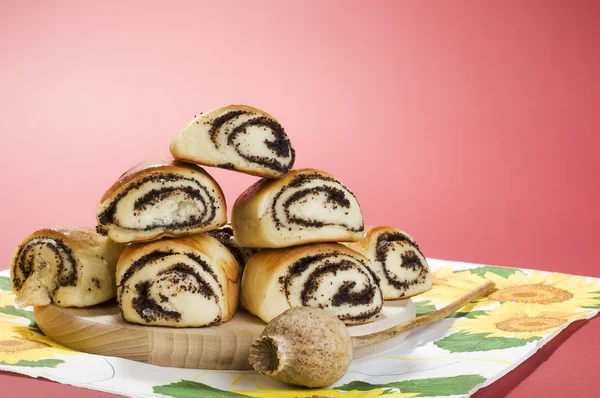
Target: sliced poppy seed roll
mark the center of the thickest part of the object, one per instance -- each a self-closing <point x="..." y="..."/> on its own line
<point x="236" y="137"/>
<point x="179" y="282"/>
<point x="324" y="275"/>
<point x="67" y="266"/>
<point x="161" y="198"/>
<point x="397" y="261"/>
<point x="305" y="206"/>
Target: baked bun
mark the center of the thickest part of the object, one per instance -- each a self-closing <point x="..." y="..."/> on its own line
<point x="161" y="198"/>
<point x="67" y="266"/>
<point x="305" y="206"/>
<point x="179" y="282"/>
<point x="396" y="259"/>
<point x="236" y="137"/>
<point x="324" y="275"/>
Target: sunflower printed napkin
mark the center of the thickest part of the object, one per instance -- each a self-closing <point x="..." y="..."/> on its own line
<point x="453" y="357"/>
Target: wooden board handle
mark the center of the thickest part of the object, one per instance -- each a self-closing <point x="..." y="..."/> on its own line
<point x="368" y="339"/>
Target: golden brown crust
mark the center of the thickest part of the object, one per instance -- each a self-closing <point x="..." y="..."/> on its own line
<point x="384" y="228"/>
<point x="77" y="237"/>
<point x="363" y="246"/>
<point x="264" y="187"/>
<point x="147" y="167"/>
<point x="292" y="254"/>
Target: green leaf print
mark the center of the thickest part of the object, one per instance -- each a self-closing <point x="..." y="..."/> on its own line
<point x="465" y="342"/>
<point x="423" y="307"/>
<point x="501" y="271"/>
<point x="467" y="314"/>
<point x="426" y="306"/>
<point x="192" y="389"/>
<point x="5" y="283"/>
<point x="595" y="306"/>
<point x="10" y="310"/>
<point x="433" y="387"/>
<point x="42" y="363"/>
<point x="364" y="386"/>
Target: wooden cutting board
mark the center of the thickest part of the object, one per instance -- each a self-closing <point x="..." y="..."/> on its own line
<point x="101" y="330"/>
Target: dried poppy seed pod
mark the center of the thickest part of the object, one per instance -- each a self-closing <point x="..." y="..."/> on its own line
<point x="303" y="346"/>
<point x="309" y="347"/>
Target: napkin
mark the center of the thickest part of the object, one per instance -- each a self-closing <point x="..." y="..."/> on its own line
<point x="453" y="357"/>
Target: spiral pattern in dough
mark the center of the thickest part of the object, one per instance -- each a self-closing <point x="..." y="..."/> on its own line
<point x="157" y="199"/>
<point x="396" y="259"/>
<point x="182" y="282"/>
<point x="236" y="137"/>
<point x="328" y="276"/>
<point x="71" y="267"/>
<point x="306" y="206"/>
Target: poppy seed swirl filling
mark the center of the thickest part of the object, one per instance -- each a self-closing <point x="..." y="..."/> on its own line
<point x="252" y="138"/>
<point x="162" y="201"/>
<point x="400" y="265"/>
<point x="313" y="200"/>
<point x="169" y="286"/>
<point x="341" y="284"/>
<point x="36" y="252"/>
<point x="225" y="236"/>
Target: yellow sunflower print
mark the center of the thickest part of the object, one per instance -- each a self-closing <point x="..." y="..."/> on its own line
<point x="560" y="291"/>
<point x="18" y="343"/>
<point x="7" y="298"/>
<point x="449" y="286"/>
<point x="518" y="320"/>
<point x="268" y="393"/>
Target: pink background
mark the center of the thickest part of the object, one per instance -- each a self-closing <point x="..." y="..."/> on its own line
<point x="473" y="125"/>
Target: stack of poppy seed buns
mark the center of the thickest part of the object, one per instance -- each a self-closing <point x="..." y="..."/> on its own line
<point x="164" y="248"/>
